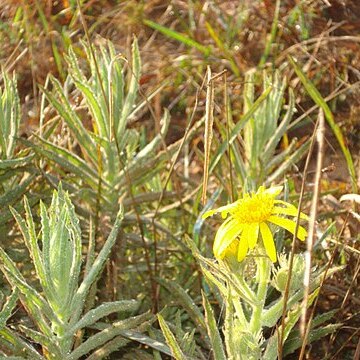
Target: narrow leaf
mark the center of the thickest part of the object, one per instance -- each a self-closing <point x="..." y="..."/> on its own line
<point x="170" y="339"/>
<point x="186" y="301"/>
<point x="319" y="100"/>
<point x="178" y="36"/>
<point x="215" y="338"/>
<point x="107" y="334"/>
<point x="101" y="311"/>
<point x="236" y="130"/>
<point x="8" y="307"/>
<point x="96" y="268"/>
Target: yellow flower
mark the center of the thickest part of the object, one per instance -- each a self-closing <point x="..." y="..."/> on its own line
<point x="249" y="216"/>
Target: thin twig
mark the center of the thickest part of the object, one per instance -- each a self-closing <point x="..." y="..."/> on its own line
<point x="330" y="262"/>
<point x="293" y="247"/>
<point x="312" y="229"/>
<point x="353" y="281"/>
<point x="227" y="120"/>
<point x="344" y="343"/>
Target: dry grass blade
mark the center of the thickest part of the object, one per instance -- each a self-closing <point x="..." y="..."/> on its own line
<point x="304" y="325"/>
<point x="209" y="121"/>
<point x="293" y="247"/>
<point x="353" y="282"/>
<point x="227" y="122"/>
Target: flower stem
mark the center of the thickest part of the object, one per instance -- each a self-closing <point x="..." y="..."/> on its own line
<point x="263" y="275"/>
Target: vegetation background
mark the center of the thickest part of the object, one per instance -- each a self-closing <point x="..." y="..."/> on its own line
<point x="162" y="144"/>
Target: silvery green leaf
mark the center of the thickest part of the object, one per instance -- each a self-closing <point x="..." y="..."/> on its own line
<point x="33" y="299"/>
<point x="67" y="160"/>
<point x="58" y="99"/>
<point x="10" y="114"/>
<point x="279" y="131"/>
<point x="186" y="301"/>
<point x="13" y="195"/>
<point x="295" y="341"/>
<point x="8" y="307"/>
<point x="292" y="159"/>
<point x="101" y="311"/>
<point x="15" y="343"/>
<point x="212" y="327"/>
<point x="171" y="341"/>
<point x="111" y="346"/>
<point x="80" y="296"/>
<point x="15" y="163"/>
<point x="277" y="160"/>
<point x="45" y="341"/>
<point x="99" y="339"/>
<point x="238" y="127"/>
<point x="291" y="319"/>
<point x="146" y="340"/>
<point x="131" y="95"/>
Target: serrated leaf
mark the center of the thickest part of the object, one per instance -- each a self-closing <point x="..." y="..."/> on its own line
<point x="13" y="195"/>
<point x="15" y="163"/>
<point x="170" y="339"/>
<point x="67" y="160"/>
<point x="94" y="271"/>
<point x="148" y="341"/>
<point x="295" y="341"/>
<point x="62" y="105"/>
<point x="107" y="334"/>
<point x="101" y="311"/>
<point x="18" y="345"/>
<point x="212" y="327"/>
<point x="8" y="307"/>
<point x="131" y="95"/>
<point x="186" y="301"/>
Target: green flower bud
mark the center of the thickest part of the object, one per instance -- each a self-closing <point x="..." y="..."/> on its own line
<point x="281" y="274"/>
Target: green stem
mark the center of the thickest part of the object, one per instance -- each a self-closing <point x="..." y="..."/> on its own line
<point x="263" y="275"/>
<point x="238" y="308"/>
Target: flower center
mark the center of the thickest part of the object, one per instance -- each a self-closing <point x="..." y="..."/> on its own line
<point x="255" y="208"/>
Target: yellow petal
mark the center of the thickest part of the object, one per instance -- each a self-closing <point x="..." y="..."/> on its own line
<point x="209" y="213"/>
<point x="243" y="245"/>
<point x="289" y="225"/>
<point x="232" y="249"/>
<point x="290" y="206"/>
<point x="223" y="209"/>
<point x="225" y="235"/>
<point x="253" y="234"/>
<point x="218" y="238"/>
<point x="268" y="241"/>
<point x="282" y="202"/>
<point x="289" y="211"/>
